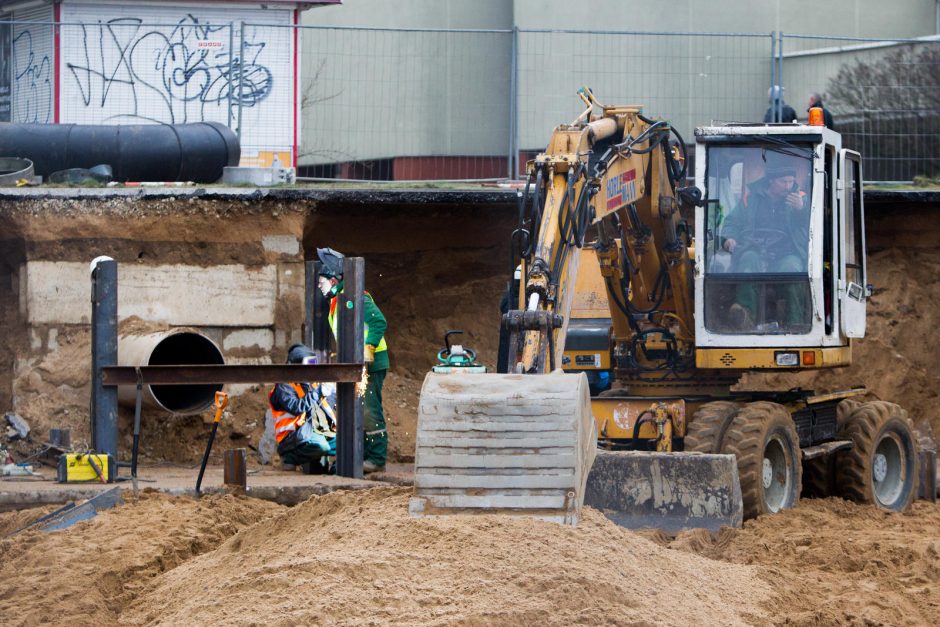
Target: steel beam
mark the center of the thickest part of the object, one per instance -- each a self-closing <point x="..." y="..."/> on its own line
<point x="202" y="374"/>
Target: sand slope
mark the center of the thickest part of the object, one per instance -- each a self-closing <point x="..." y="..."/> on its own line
<point x="358" y="558"/>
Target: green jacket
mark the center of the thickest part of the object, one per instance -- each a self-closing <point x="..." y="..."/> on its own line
<point x="375" y="326"/>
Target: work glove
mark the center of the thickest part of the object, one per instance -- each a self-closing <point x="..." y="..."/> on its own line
<point x="369" y="354"/>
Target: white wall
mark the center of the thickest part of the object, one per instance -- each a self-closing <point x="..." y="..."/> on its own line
<point x="139" y="63"/>
<point x="33" y="68"/>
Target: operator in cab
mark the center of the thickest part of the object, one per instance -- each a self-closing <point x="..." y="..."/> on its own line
<point x="767" y="233"/>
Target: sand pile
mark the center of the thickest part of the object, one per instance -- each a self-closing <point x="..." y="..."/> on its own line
<point x="835" y="562"/>
<point x="90" y="571"/>
<point x="358" y="558"/>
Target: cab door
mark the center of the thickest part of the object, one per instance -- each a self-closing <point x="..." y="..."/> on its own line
<point x="853" y="293"/>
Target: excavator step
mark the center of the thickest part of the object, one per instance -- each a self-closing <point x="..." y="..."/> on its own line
<point x="668" y="491"/>
<point x="503" y="443"/>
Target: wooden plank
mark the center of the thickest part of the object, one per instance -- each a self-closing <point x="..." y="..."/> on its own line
<point x="495" y="461"/>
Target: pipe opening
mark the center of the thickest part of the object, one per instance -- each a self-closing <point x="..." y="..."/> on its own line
<point x="184" y="349"/>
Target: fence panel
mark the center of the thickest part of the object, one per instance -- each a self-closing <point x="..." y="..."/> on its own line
<point x="392" y="104"/>
<point x="432" y="104"/>
<point x="689" y="79"/>
<point x="884" y="97"/>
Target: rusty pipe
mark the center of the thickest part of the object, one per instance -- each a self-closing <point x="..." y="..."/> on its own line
<point x="175" y="347"/>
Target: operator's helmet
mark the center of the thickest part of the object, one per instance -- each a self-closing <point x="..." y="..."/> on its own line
<point x="332" y="263"/>
<point x="775" y="93"/>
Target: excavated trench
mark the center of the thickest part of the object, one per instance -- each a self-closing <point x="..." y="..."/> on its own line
<point x="433" y="263"/>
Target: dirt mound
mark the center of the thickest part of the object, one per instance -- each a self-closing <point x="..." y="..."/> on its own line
<point x="93" y="569"/>
<point x="358" y="558"/>
<point x="835" y="562"/>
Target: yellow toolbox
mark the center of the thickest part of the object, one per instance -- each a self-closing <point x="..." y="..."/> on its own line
<point x="79" y="467"/>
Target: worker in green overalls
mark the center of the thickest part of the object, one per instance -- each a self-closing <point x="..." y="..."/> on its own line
<point x="330" y="282"/>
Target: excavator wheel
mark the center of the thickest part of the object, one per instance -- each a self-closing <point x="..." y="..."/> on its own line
<point x="763" y="438"/>
<point x="882" y="466"/>
<point x="705" y="433"/>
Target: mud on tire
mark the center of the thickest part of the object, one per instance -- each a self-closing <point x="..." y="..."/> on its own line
<point x="705" y="433"/>
<point x="763" y="438"/>
<point x="882" y="466"/>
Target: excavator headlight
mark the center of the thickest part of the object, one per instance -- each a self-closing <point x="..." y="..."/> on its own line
<point x="787" y="358"/>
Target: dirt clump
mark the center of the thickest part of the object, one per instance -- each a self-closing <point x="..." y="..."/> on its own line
<point x="93" y="569"/>
<point x="835" y="562"/>
<point x="359" y="558"/>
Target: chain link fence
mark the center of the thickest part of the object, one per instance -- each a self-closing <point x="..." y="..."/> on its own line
<point x="434" y="104"/>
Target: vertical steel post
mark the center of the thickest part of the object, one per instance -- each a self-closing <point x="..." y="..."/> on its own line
<point x="235" y="469"/>
<point x="310" y="292"/>
<point x="317" y="332"/>
<point x="349" y="436"/>
<point x="104" y="320"/>
<point x="513" y="169"/>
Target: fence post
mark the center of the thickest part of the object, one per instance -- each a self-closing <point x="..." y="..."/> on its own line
<point x="780" y="77"/>
<point x="513" y="105"/>
<point x="773" y="74"/>
<point x="231" y="68"/>
<point x="241" y="75"/>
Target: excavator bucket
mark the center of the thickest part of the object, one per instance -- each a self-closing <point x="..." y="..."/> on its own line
<point x="504" y="443"/>
<point x="668" y="491"/>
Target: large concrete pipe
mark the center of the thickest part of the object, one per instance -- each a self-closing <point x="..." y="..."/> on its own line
<point x="136" y="152"/>
<point x="170" y="348"/>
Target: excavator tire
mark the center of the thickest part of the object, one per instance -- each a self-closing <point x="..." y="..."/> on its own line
<point x="882" y="466"/>
<point x="763" y="438"/>
<point x="705" y="433"/>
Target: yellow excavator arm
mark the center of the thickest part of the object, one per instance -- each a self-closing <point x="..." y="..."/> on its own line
<point x="628" y="193"/>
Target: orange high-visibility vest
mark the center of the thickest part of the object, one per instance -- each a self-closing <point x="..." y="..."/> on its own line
<point x="286" y="423"/>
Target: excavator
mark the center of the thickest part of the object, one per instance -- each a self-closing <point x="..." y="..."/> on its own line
<point x="641" y="301"/>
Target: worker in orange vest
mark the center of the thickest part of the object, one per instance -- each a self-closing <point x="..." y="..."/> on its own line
<point x="304" y="425"/>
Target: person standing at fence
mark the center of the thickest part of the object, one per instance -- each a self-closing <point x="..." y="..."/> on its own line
<point x="815" y="100"/>
<point x="777" y="103"/>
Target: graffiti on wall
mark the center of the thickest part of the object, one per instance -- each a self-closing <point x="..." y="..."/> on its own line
<point x="32" y="78"/>
<point x="190" y="72"/>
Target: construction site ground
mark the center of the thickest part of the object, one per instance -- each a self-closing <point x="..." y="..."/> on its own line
<point x="346" y="551"/>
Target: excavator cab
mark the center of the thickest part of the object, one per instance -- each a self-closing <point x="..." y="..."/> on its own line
<point x="780" y="264"/>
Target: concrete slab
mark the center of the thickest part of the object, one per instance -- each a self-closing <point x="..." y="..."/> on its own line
<point x="58" y="292"/>
<point x="286" y="488"/>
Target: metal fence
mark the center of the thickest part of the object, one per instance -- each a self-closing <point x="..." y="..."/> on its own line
<point x="435" y="104"/>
